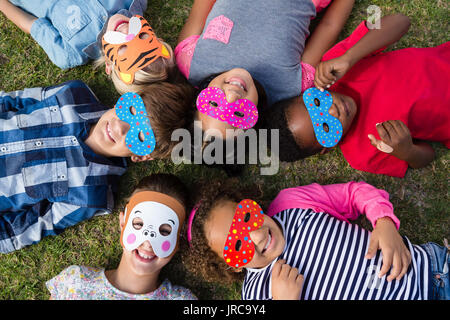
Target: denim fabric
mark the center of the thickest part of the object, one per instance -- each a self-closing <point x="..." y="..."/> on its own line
<point x="69" y="30"/>
<point x="439" y="288"/>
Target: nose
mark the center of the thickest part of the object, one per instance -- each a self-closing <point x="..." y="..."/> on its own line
<point x="123" y="127"/>
<point x="232" y="95"/>
<point x="259" y="235"/>
<point x="334" y="111"/>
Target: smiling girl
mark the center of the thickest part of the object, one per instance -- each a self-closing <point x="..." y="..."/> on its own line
<point x="150" y="230"/>
<point x="303" y="246"/>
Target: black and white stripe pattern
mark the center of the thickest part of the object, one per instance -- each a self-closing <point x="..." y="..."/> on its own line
<point x="330" y="255"/>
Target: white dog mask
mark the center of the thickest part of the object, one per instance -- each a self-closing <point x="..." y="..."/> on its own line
<point x="152" y="216"/>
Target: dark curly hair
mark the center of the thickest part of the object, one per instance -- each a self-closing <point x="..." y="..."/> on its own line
<point x="290" y="147"/>
<point x="199" y="258"/>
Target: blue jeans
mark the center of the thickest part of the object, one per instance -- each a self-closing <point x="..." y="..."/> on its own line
<point x="440" y="262"/>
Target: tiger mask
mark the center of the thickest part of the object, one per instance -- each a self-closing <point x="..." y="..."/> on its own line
<point x="133" y="52"/>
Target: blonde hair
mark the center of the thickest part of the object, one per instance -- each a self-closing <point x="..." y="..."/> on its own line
<point x="161" y="69"/>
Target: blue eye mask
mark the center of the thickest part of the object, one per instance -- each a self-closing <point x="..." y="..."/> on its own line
<point x="140" y="138"/>
<point x="318" y="104"/>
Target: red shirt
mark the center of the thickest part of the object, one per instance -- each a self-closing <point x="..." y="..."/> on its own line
<point x="411" y="85"/>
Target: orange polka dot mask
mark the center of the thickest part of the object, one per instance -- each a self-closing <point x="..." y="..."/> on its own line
<point x="239" y="248"/>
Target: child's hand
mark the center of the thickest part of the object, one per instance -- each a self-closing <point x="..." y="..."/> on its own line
<point x="287" y="283"/>
<point x="386" y="237"/>
<point x="395" y="139"/>
<point x="328" y="72"/>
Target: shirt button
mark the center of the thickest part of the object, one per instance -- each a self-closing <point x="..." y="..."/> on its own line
<point x="54" y="109"/>
<point x="3" y="149"/>
<point x="74" y="140"/>
<point x="38" y="143"/>
<point x="105" y="18"/>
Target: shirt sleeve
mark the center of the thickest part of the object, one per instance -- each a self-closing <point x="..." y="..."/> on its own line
<point x="344" y="201"/>
<point x="29" y="226"/>
<point x="58" y="50"/>
<point x="17" y="100"/>
<point x="321" y="4"/>
<point x="184" y="52"/>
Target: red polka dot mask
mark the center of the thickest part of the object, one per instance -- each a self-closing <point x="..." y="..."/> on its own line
<point x="152" y="216"/>
<point x="140" y="138"/>
<point x="239" y="248"/>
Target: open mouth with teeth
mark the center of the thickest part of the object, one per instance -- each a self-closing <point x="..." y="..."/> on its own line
<point x="238" y="83"/>
<point x="144" y="257"/>
<point x="120" y="24"/>
<point x="109" y="133"/>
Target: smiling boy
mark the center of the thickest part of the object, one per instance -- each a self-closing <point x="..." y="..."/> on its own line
<point x="61" y="156"/>
<point x="389" y="105"/>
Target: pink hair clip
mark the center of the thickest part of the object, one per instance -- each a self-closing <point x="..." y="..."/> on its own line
<point x="191" y="218"/>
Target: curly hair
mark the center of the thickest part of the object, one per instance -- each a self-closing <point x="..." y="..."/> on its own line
<point x="290" y="147"/>
<point x="199" y="258"/>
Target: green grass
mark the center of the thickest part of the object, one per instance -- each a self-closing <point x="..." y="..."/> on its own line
<point x="420" y="199"/>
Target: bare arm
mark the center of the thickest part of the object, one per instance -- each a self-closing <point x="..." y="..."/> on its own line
<point x="18" y="16"/>
<point x="197" y="17"/>
<point x="393" y="27"/>
<point x="327" y="32"/>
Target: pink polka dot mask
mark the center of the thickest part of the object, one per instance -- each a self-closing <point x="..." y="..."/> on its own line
<point x="149" y="216"/>
<point x="242" y="114"/>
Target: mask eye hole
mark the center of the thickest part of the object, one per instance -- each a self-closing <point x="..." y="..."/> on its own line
<point x="213" y="104"/>
<point x="141" y="136"/>
<point x="143" y="35"/>
<point x="133" y="110"/>
<point x="317" y="102"/>
<point x="239" y="114"/>
<point x="238" y="245"/>
<point x="122" y="50"/>
<point x="247" y="217"/>
<point x="326" y="128"/>
<point x="165" y="229"/>
<point x="137" y="223"/>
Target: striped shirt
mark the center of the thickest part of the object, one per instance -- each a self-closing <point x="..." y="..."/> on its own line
<point x="49" y="178"/>
<point x="329" y="253"/>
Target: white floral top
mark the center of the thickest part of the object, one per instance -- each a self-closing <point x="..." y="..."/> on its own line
<point x="88" y="283"/>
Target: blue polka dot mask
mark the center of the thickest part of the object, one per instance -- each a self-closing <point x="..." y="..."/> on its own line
<point x="328" y="129"/>
<point x="140" y="138"/>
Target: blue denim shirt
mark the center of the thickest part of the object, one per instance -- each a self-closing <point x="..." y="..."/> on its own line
<point x="70" y="31"/>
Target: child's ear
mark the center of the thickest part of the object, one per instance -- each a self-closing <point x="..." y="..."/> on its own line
<point x="121" y="220"/>
<point x="107" y="68"/>
<point x="136" y="158"/>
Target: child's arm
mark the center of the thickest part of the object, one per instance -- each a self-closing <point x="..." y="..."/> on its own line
<point x="18" y="16"/>
<point x="397" y="141"/>
<point x="16" y="236"/>
<point x="16" y="100"/>
<point x="327" y="31"/>
<point x="347" y="201"/>
<point x="196" y="21"/>
<point x="393" y="27"/>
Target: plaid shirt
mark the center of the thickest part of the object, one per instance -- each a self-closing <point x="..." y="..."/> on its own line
<point x="49" y="178"/>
